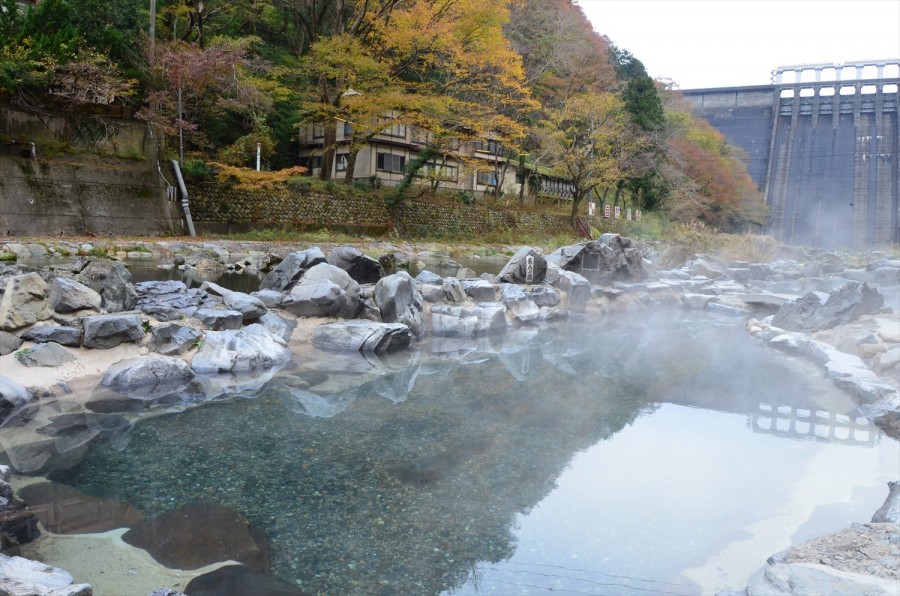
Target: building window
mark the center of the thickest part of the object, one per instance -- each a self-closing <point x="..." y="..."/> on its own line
<point x="392" y="130"/>
<point x="491" y="147"/>
<point x="486" y="178"/>
<point x="388" y="162"/>
<point x="348" y="130"/>
<point x="318" y="131"/>
<point x="340" y="164"/>
<point x="437" y="171"/>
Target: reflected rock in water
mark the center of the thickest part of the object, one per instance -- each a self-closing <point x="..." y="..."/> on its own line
<point x="12" y="397"/>
<point x="395" y="387"/>
<point x="301" y="401"/>
<point x="242" y="385"/>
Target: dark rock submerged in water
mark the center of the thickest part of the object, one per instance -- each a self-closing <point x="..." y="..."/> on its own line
<point x="199" y="535"/>
<point x="238" y="580"/>
<point x="66" y="510"/>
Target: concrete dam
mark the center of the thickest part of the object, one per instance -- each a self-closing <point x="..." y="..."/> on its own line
<point x="822" y="145"/>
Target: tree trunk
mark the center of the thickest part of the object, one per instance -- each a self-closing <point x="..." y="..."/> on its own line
<point x="577" y="199"/>
<point x="351" y="165"/>
<point x="329" y="148"/>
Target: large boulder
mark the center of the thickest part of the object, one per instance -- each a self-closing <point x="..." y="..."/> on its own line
<point x="283" y="277"/>
<point x="24" y="576"/>
<point x="278" y="325"/>
<point x="458" y="321"/>
<point x="364" y="336"/>
<point x="24" y="302"/>
<point x="172" y="339"/>
<point x="324" y="291"/>
<point x="363" y="269"/>
<point x="527" y="266"/>
<point x="844" y="305"/>
<point x="480" y="290"/>
<point x="249" y="349"/>
<point x="400" y="301"/>
<point x="519" y="303"/>
<point x="250" y="307"/>
<point x="67" y="295"/>
<point x="889" y="512"/>
<point x="47" y="354"/>
<point x="611" y="258"/>
<point x="218" y="319"/>
<point x="148" y="377"/>
<point x="117" y="293"/>
<point x="577" y="289"/>
<point x="108" y="331"/>
<point x="171" y="300"/>
<point x="64" y="336"/>
<point x="9" y="343"/>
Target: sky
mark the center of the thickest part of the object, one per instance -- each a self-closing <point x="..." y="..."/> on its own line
<point x="723" y="43"/>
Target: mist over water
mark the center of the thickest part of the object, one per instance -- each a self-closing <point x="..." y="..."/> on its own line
<point x="640" y="454"/>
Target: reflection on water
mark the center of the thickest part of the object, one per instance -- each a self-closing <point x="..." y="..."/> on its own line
<point x="605" y="458"/>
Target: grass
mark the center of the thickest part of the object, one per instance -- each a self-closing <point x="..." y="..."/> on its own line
<point x="8" y="257"/>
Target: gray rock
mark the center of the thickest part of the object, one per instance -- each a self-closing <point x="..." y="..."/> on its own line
<point x="362" y="269"/>
<point x="270" y="298"/>
<point x="889" y="512"/>
<point x="117" y="292"/>
<point x="108" y="331"/>
<point x="400" y="301"/>
<point x="323" y="291"/>
<point x="611" y="258"/>
<point x="172" y="339"/>
<point x="577" y="289"/>
<point x="283" y="277"/>
<point x="432" y="293"/>
<point x="545" y="296"/>
<point x="527" y="266"/>
<point x="9" y="343"/>
<point x="453" y="290"/>
<point x="278" y="325"/>
<point x="700" y="266"/>
<point x="519" y="304"/>
<point x="166" y="592"/>
<point x="783" y="579"/>
<point x="480" y="290"/>
<point x="149" y="377"/>
<point x="20" y="577"/>
<point x="48" y="355"/>
<point x="238" y="351"/>
<point x="12" y="397"/>
<point x="847" y="304"/>
<point x="364" y="336"/>
<point x="251" y="308"/>
<point x="217" y="319"/>
<point x="67" y="295"/>
<point x="171" y="300"/>
<point x="458" y="321"/>
<point x="695" y="301"/>
<point x="24" y="302"/>
<point x="64" y="336"/>
<point x="427" y="277"/>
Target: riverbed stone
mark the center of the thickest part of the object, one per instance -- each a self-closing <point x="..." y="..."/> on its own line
<point x="278" y="325"/>
<point x="24" y="302"/>
<point x="289" y="271"/>
<point x="466" y="322"/>
<point x="20" y="576"/>
<point x="46" y="354"/>
<point x="428" y="277"/>
<point x="117" y="292"/>
<point x="453" y="290"/>
<point x="527" y="266"/>
<point x="251" y="308"/>
<point x="217" y="319"/>
<point x="9" y="343"/>
<point x="324" y="291"/>
<point x="361" y="268"/>
<point x="363" y="336"/>
<point x="66" y="510"/>
<point x="545" y="296"/>
<point x="148" y="377"/>
<point x="172" y="339"/>
<point x="171" y="300"/>
<point x="108" y="331"/>
<point x="64" y="336"/>
<point x="480" y="290"/>
<point x="811" y="313"/>
<point x="12" y="397"/>
<point x="270" y="298"/>
<point x="577" y="289"/>
<point x="67" y="295"/>
<point x="400" y="301"/>
<point x="889" y="512"/>
<point x="198" y="535"/>
<point x="240" y="351"/>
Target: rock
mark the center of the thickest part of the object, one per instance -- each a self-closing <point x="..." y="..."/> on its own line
<point x="18" y="524"/>
<point x="12" y="397"/>
<point x="695" y="301"/>
<point x="166" y="592"/>
<point x="66" y="510"/>
<point x="431" y="293"/>
<point x="117" y="293"/>
<point x="847" y="304"/>
<point x="453" y="290"/>
<point x="217" y="319"/>
<point x="889" y="512"/>
<point x="270" y="298"/>
<point x="307" y="403"/>
<point x="249" y="349"/>
<point x="700" y="266"/>
<point x="527" y="266"/>
<point x="48" y="354"/>
<point x="64" y="336"/>
<point x="199" y="535"/>
<point x="400" y="301"/>
<point x="611" y="258"/>
<point x="238" y="580"/>
<point x="519" y="303"/>
<point x="149" y="377"/>
<point x="324" y="291"/>
<point x="480" y="290"/>
<point x="364" y="336"/>
<point x="24" y="302"/>
<point x="577" y="289"/>
<point x="21" y="577"/>
<point x="457" y="321"/>
<point x="108" y="331"/>
<point x="427" y="277"/>
<point x="283" y="277"/>
<point x="170" y="300"/>
<point x="67" y="295"/>
<point x="804" y="578"/>
<point x="545" y="296"/>
<point x="362" y="269"/>
<point x="172" y="339"/>
<point x="251" y="308"/>
<point x="9" y="343"/>
<point x="278" y="325"/>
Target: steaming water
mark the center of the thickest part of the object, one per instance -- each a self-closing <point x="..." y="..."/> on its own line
<point x="632" y="456"/>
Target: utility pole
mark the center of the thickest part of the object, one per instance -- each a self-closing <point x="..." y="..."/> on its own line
<point x="152" y="33"/>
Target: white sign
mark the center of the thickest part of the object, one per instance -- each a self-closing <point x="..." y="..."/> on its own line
<point x="591" y="208"/>
<point x="618" y="212"/>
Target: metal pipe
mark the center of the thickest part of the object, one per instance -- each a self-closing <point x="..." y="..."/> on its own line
<point x="184" y="199"/>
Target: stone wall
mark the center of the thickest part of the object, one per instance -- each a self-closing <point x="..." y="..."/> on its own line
<point x="215" y="208"/>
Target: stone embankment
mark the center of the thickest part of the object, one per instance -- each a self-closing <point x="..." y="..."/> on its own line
<point x="160" y="346"/>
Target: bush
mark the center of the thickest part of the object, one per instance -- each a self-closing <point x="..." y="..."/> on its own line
<point x="465" y="197"/>
<point x="196" y="168"/>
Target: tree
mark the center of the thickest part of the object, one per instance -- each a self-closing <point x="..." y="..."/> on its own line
<point x="587" y="141"/>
